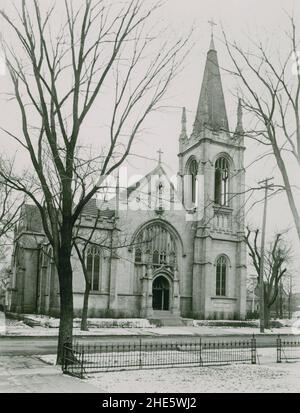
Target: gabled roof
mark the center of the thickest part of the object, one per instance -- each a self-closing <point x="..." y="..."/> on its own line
<point x="92" y="209"/>
<point x="31" y="220"/>
<point x="157" y="171"/>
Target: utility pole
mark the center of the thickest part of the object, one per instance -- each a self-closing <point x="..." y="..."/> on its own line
<point x="290" y="295"/>
<point x="254" y="283"/>
<point x="266" y="185"/>
<point x="281" y="300"/>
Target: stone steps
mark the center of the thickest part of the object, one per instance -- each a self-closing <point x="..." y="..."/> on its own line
<point x="166" y="319"/>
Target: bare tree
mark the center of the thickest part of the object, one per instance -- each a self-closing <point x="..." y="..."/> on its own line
<point x="277" y="256"/>
<point x="57" y="77"/>
<point x="270" y="89"/>
<point x="10" y="207"/>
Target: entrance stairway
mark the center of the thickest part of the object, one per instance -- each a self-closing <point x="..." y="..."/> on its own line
<point x="166" y="319"/>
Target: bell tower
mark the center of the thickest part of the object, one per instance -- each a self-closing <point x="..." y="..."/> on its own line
<point x="211" y="171"/>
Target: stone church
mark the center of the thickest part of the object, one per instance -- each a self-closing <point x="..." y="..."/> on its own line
<point x="158" y="249"/>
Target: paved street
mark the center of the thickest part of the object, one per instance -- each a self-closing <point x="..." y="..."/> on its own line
<point x="47" y="345"/>
<point x="22" y="371"/>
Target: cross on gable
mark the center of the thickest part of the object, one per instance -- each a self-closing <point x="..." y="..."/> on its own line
<point x="160" y="152"/>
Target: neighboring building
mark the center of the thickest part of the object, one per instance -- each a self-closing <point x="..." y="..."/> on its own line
<point x="281" y="308"/>
<point x="188" y="261"/>
<point x="295" y="301"/>
<point x="252" y="308"/>
<point x="4" y="284"/>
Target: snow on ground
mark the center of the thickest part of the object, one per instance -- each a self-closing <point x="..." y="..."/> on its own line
<point x="2" y="324"/>
<point x="266" y="377"/>
<point x="46" y="321"/>
<point x="240" y="378"/>
<point x="39" y="325"/>
<point x="24" y="330"/>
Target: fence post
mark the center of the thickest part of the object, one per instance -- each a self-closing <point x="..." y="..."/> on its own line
<point x="200" y="353"/>
<point x="82" y="363"/>
<point x="278" y="341"/>
<point x="66" y="348"/>
<point x="140" y="364"/>
<point x="63" y="364"/>
<point x="253" y="350"/>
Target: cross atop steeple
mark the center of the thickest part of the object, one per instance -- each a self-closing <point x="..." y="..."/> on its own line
<point x="212" y="24"/>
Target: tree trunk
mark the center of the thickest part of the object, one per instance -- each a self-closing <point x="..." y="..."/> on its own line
<point x="267" y="317"/>
<point x="281" y="305"/>
<point x="288" y="187"/>
<point x="65" y="275"/>
<point x="84" y="316"/>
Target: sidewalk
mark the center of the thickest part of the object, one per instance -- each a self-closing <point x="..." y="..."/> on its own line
<point x="29" y="374"/>
<point x="138" y="332"/>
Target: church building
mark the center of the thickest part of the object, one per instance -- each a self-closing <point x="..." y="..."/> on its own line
<point x="158" y="249"/>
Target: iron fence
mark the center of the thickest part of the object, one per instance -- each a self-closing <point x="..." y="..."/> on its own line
<point x="83" y="359"/>
<point x="288" y="349"/>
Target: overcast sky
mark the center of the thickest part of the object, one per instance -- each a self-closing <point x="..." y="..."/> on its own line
<point x="242" y="20"/>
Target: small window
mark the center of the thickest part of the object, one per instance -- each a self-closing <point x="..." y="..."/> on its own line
<point x="193" y="170"/>
<point x="221" y="274"/>
<point x="221" y="181"/>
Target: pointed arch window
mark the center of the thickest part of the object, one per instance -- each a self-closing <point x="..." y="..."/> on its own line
<point x="148" y="256"/>
<point x="221" y="275"/>
<point x="222" y="181"/>
<point x="155" y="257"/>
<point x="193" y="170"/>
<point x="93" y="264"/>
<point x="138" y="255"/>
<point x="162" y="257"/>
<point x="160" y="246"/>
<point x="172" y="258"/>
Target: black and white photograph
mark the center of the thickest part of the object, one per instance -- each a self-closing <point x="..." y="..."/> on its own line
<point x="149" y="200"/>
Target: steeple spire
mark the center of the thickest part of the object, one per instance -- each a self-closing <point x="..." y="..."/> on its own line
<point x="212" y="43"/>
<point x="211" y="111"/>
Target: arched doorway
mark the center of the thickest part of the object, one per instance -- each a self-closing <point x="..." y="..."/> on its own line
<point x="161" y="294"/>
<point x="158" y="251"/>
